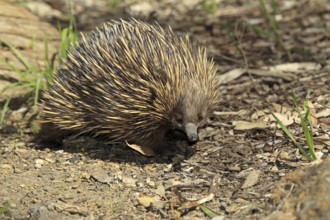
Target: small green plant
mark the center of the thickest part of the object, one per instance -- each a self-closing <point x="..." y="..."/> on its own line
<point x="69" y="36"/>
<point x="4" y="208"/>
<point x="36" y="78"/>
<point x="210" y="6"/>
<point x="32" y="77"/>
<point x="4" y="110"/>
<point x="209" y="212"/>
<point x="306" y="125"/>
<point x="113" y="4"/>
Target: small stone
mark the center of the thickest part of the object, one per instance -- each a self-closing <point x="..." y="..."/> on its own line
<point x="101" y="175"/>
<point x="284" y="155"/>
<point x="75" y="186"/>
<point x="66" y="163"/>
<point x="85" y="176"/>
<point x="69" y="180"/>
<point x="234" y="168"/>
<point x="274" y="169"/>
<point x="40" y="161"/>
<point x="49" y="160"/>
<point x="21" y="150"/>
<point x="6" y="169"/>
<point x="168" y="168"/>
<point x="141" y="9"/>
<point x="129" y="181"/>
<point x="59" y="152"/>
<point x="151" y="184"/>
<point x="145" y="201"/>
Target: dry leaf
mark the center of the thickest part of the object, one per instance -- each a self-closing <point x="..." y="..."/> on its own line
<point x="251" y="179"/>
<point x="231" y="75"/>
<point x="146" y="151"/>
<point x="241" y="112"/>
<point x="312" y="112"/>
<point x="246" y="125"/>
<point x="191" y="204"/>
<point x="285" y="119"/>
<point x="295" y="67"/>
<point x="323" y="114"/>
<point x="161" y="190"/>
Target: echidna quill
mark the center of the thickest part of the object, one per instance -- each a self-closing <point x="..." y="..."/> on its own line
<point x="131" y="81"/>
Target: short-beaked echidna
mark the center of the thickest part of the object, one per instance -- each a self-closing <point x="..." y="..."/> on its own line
<point x="131" y="81"/>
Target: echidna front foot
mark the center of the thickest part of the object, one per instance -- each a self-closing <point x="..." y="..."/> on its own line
<point x="49" y="136"/>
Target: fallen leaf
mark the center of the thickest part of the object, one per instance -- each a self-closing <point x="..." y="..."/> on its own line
<point x="251" y="179"/>
<point x="323" y="114"/>
<point x="295" y="67"/>
<point x="161" y="190"/>
<point x="285" y="119"/>
<point x="312" y="112"/>
<point x="146" y="151"/>
<point x="241" y="112"/>
<point x="231" y="75"/>
<point x="246" y="125"/>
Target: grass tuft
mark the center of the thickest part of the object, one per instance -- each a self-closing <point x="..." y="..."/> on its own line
<point x="210" y="6"/>
<point x="36" y="78"/>
<point x="4" y="111"/>
<point x="69" y="37"/>
<point x="306" y="125"/>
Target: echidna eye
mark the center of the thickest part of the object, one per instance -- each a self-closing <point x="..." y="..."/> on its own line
<point x="179" y="120"/>
<point x="200" y="118"/>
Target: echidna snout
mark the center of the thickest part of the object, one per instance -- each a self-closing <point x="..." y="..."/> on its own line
<point x="192" y="112"/>
<point x="191" y="131"/>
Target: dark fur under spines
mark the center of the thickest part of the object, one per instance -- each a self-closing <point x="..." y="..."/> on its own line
<point x="131" y="81"/>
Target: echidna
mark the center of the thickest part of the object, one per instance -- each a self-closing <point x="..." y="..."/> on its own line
<point x="131" y="81"/>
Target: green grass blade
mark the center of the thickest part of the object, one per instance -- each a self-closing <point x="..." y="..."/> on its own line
<point x="37" y="89"/>
<point x="17" y="54"/>
<point x="4" y="110"/>
<point x="305" y="122"/>
<point x="209" y="212"/>
<point x="290" y="135"/>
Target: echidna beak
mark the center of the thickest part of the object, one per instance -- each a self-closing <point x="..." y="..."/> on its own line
<point x="191" y="131"/>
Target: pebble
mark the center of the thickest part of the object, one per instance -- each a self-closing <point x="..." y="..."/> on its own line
<point x="7" y="168"/>
<point x="59" y="152"/>
<point x="49" y="160"/>
<point x="274" y="169"/>
<point x="39" y="161"/>
<point x="151" y="184"/>
<point x="145" y="201"/>
<point x="129" y="181"/>
<point x="284" y="155"/>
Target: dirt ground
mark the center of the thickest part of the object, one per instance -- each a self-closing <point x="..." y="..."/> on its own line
<point x="244" y="167"/>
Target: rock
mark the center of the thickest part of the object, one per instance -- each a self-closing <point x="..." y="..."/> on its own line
<point x="6" y="169"/>
<point x="145" y="201"/>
